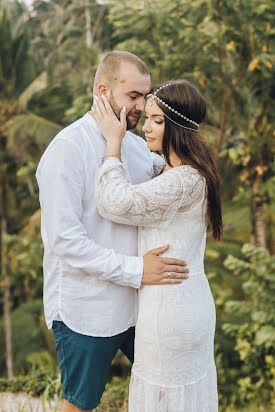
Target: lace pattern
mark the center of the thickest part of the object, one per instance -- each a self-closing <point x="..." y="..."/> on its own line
<point x="174" y="369"/>
<point x="149" y="203"/>
<point x="200" y="396"/>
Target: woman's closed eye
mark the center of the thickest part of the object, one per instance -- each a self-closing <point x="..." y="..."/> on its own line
<point x="157" y="121"/>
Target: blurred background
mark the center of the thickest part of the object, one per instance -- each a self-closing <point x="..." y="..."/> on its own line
<point x="49" y="51"/>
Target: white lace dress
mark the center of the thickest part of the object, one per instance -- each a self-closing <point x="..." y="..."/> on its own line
<point x="174" y="369"/>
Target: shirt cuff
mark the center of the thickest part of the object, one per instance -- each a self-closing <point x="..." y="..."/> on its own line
<point x="133" y="271"/>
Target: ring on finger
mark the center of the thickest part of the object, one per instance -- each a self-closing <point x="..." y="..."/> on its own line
<point x="169" y="275"/>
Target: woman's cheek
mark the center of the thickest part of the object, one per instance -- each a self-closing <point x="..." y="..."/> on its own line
<point x="159" y="144"/>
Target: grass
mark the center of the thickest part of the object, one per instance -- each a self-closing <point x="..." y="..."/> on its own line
<point x="23" y="403"/>
<point x="114" y="399"/>
<point x="107" y="405"/>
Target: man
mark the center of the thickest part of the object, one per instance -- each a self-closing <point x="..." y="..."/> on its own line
<point x="91" y="269"/>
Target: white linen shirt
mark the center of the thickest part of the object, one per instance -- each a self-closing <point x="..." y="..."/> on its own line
<point x="91" y="269"/>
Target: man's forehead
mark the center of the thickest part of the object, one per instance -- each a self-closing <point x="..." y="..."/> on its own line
<point x="132" y="80"/>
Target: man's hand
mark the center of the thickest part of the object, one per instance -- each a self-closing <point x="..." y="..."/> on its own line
<point x="162" y="270"/>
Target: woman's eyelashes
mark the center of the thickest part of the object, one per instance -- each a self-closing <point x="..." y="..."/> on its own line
<point x="155" y="120"/>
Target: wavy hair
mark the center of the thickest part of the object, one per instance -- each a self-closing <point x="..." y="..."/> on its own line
<point x="189" y="145"/>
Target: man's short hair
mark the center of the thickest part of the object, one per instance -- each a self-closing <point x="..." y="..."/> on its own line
<point x="108" y="68"/>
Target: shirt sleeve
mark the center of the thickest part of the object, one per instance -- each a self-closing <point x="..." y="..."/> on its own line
<point x="158" y="163"/>
<point x="61" y="181"/>
<point x="150" y="203"/>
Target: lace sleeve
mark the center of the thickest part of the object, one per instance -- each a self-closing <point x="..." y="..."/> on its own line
<point x="155" y="201"/>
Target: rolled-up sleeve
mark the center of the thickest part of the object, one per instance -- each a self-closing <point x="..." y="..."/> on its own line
<point x="61" y="180"/>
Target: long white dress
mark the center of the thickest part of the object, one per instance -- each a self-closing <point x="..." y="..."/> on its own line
<point x="174" y="368"/>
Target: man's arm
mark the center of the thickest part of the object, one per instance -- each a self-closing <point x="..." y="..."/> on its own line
<point x="61" y="183"/>
<point x="158" y="163"/>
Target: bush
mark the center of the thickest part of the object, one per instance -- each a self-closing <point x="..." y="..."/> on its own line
<point x="36" y="383"/>
<point x="252" y="325"/>
<point x="29" y="335"/>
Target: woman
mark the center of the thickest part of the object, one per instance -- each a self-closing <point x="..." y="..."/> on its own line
<point x="174" y="367"/>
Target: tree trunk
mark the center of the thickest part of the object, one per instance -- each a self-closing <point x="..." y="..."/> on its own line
<point x="97" y="27"/>
<point x="270" y="241"/>
<point x="4" y="267"/>
<point x="7" y="312"/>
<point x="88" y="28"/>
<point x="257" y="216"/>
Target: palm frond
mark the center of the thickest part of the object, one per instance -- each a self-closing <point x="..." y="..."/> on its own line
<point x="38" y="84"/>
<point x="30" y="125"/>
<point x="32" y="228"/>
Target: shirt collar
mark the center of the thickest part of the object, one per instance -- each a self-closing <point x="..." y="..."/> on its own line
<point x="92" y="121"/>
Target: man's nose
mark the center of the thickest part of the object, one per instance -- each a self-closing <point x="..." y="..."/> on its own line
<point x="140" y="104"/>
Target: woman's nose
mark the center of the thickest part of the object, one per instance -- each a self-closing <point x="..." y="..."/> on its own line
<point x="145" y="127"/>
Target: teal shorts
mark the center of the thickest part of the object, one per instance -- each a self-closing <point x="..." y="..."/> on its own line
<point x="85" y="361"/>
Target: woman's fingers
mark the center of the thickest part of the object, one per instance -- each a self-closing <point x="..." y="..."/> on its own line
<point x="95" y="114"/>
<point x="107" y="105"/>
<point x="123" y="121"/>
<point x="96" y="110"/>
<point x="101" y="108"/>
<point x="111" y="126"/>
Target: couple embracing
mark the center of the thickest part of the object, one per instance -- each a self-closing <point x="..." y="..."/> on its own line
<point x="124" y="232"/>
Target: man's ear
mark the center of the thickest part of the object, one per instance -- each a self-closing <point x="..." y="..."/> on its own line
<point x="102" y="89"/>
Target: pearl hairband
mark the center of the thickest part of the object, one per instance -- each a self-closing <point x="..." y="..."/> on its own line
<point x="154" y="96"/>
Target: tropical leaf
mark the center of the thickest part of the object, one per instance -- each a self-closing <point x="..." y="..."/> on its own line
<point x="32" y="228"/>
<point x="266" y="335"/>
<point x="38" y="84"/>
<point x="31" y="125"/>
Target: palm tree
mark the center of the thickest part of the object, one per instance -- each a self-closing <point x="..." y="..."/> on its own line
<point x="16" y="123"/>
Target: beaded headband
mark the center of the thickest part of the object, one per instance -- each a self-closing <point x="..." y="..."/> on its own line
<point x="154" y="96"/>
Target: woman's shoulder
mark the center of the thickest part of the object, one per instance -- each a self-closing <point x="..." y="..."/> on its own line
<point x="184" y="171"/>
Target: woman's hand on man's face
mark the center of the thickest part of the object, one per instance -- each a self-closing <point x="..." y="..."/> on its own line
<point x="111" y="127"/>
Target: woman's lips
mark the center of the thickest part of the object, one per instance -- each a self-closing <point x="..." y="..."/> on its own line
<point x="149" y="139"/>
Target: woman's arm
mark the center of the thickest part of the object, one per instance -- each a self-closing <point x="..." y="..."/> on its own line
<point x="155" y="201"/>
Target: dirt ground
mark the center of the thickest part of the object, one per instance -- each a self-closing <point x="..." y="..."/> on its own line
<point x="21" y="402"/>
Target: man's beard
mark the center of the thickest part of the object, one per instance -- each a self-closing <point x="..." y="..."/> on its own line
<point x="131" y="122"/>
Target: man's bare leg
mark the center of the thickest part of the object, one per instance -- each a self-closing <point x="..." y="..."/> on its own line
<point x="69" y="407"/>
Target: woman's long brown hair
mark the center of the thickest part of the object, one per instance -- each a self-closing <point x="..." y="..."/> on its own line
<point x="189" y="145"/>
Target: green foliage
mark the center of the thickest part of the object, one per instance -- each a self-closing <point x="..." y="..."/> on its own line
<point x="26" y="267"/>
<point x="253" y="323"/>
<point x="15" y="63"/>
<point x="226" y="48"/>
<point x="36" y="383"/>
<point x="80" y="105"/>
<point x="29" y="338"/>
<point x="115" y="396"/>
